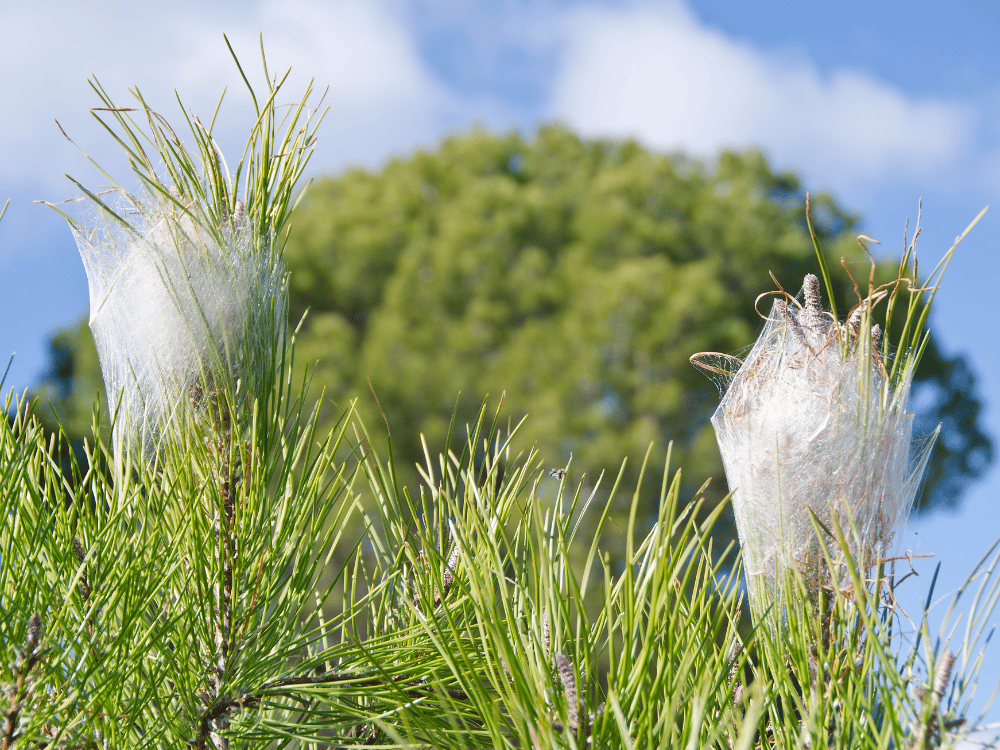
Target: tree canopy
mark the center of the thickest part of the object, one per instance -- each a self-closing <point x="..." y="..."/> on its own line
<point x="575" y="276"/>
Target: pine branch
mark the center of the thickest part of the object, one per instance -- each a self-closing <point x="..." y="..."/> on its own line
<point x="284" y="688"/>
<point x="23" y="664"/>
<point x="229" y="480"/>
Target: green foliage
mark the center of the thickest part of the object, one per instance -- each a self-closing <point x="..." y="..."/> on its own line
<point x="464" y="616"/>
<point x="823" y="656"/>
<point x="73" y="384"/>
<point x="577" y="277"/>
<point x="270" y="580"/>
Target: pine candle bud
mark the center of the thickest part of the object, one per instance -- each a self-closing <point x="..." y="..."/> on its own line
<point x="178" y="308"/>
<point x="809" y="423"/>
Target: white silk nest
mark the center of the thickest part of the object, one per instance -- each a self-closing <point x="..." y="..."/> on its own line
<point x="808" y="424"/>
<point x="178" y="311"/>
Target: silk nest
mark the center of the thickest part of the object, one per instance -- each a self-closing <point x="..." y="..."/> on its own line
<point x="816" y="446"/>
<point x="183" y="314"/>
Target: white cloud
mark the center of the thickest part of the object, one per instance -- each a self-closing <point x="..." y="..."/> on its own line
<point x="381" y="95"/>
<point x="665" y="78"/>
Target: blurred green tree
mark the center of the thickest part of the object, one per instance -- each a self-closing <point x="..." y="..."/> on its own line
<point x="577" y="277"/>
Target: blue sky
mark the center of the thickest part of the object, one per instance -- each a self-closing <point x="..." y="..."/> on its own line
<point x="883" y="103"/>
